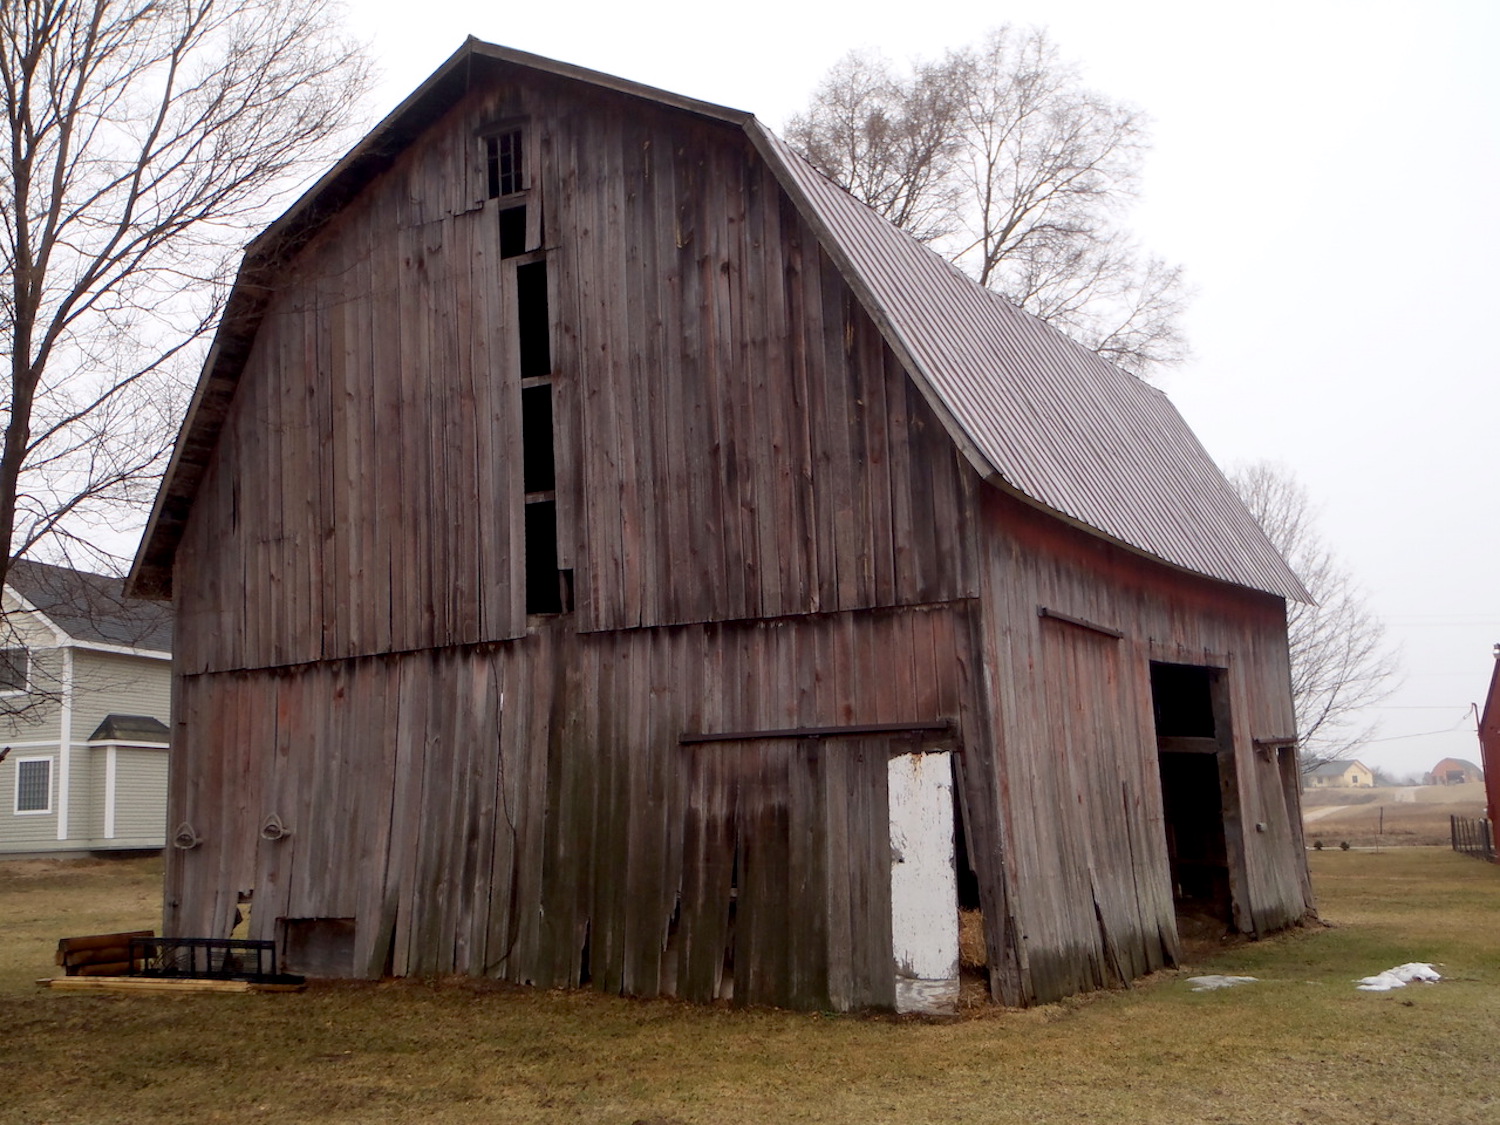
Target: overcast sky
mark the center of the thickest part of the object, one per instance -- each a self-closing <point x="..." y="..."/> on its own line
<point x="1326" y="173"/>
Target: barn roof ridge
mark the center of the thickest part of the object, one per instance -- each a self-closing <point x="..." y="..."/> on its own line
<point x="1150" y="486"/>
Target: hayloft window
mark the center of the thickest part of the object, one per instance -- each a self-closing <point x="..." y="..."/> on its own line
<point x="544" y="588"/>
<point x="15" y="671"/>
<point x="34" y="785"/>
<point x="540" y="467"/>
<point x="532" y="321"/>
<point x="549" y="587"/>
<point x="513" y="232"/>
<point x="504" y="170"/>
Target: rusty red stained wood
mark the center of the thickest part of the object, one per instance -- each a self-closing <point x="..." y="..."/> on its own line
<point x="1104" y="630"/>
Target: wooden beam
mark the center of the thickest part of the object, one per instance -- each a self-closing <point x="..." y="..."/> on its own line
<point x="940" y="726"/>
<point x="1093" y="627"/>
<point x="164" y="984"/>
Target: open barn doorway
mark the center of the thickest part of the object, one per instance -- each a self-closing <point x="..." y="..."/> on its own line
<point x="1194" y="753"/>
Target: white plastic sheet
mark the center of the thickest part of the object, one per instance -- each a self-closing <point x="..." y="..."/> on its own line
<point x="1399" y="977"/>
<point x="1209" y="983"/>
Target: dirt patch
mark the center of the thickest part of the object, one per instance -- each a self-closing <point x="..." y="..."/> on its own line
<point x="1322" y="798"/>
<point x="1202" y="936"/>
<point x="22" y="869"/>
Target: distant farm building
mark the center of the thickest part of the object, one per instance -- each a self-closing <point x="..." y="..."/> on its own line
<point x="1341" y="775"/>
<point x="1454" y="771"/>
<point x="606" y="553"/>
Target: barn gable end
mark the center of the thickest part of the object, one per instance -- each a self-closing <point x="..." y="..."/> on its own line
<point x="576" y="527"/>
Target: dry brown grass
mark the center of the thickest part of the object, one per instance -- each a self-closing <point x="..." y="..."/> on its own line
<point x="1301" y="1046"/>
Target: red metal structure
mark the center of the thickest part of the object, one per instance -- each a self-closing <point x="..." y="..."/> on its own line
<point x="1489" y="743"/>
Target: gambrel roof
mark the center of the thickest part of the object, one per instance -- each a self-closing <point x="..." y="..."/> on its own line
<point x="1456" y="764"/>
<point x="1035" y="413"/>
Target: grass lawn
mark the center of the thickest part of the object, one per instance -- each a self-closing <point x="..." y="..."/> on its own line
<point x="1303" y="1045"/>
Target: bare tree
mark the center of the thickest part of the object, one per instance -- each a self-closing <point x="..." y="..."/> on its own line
<point x="1340" y="666"/>
<point x="144" y="139"/>
<point x="1000" y="158"/>
<point x="891" y="141"/>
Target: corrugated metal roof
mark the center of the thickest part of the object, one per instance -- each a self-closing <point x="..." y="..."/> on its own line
<point x="1037" y="412"/>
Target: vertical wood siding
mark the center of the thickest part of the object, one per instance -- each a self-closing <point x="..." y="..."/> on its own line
<point x="1075" y="747"/>
<point x="734" y="439"/>
<point x="525" y="810"/>
<point x="768" y="529"/>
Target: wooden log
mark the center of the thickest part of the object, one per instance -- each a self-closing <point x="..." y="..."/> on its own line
<point x="66" y="946"/>
<point x="103" y="969"/>
<point x="96" y="956"/>
<point x="165" y="984"/>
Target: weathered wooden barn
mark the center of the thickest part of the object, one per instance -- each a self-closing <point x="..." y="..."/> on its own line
<point x="606" y="553"/>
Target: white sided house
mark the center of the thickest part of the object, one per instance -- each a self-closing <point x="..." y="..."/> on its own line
<point x="85" y="690"/>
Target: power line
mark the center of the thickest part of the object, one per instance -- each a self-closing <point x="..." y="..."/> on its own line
<point x="1460" y="725"/>
<point x="1412" y="707"/>
<point x="1419" y="734"/>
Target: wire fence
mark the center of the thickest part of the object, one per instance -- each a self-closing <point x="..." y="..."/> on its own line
<point x="1474" y="836"/>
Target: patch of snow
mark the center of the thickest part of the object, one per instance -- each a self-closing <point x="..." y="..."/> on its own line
<point x="1399" y="977"/>
<point x="1209" y="983"/>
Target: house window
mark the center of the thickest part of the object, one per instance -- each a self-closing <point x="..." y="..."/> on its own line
<point x="34" y="785"/>
<point x="15" y="671"/>
<point x="502" y="163"/>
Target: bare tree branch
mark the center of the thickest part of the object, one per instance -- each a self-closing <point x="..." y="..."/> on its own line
<point x="1002" y="160"/>
<point x="891" y="141"/>
<point x="144" y="140"/>
<point x="1340" y="666"/>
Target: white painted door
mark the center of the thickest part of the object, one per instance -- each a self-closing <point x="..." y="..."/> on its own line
<point x="924" y="885"/>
